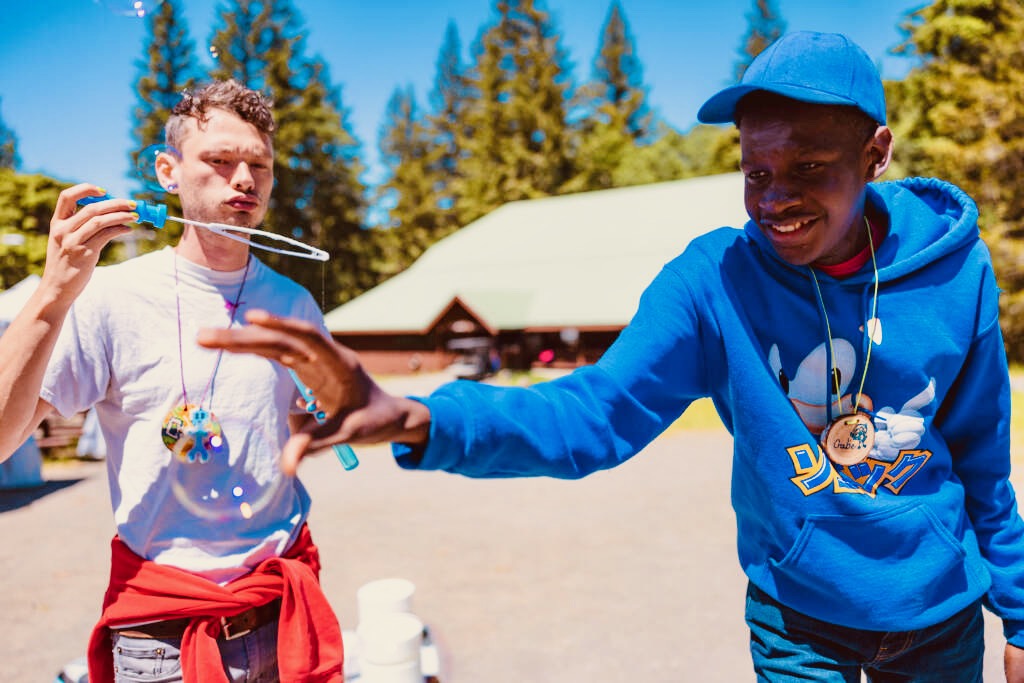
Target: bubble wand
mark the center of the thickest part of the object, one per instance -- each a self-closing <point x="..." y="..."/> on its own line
<point x="156" y="215"/>
<point x="345" y="454"/>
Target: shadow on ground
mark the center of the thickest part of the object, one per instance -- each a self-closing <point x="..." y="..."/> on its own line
<point x="12" y="499"/>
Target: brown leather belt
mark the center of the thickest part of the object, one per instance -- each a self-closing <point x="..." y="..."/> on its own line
<point x="230" y="627"/>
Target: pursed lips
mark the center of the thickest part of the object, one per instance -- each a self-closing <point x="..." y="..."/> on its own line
<point x="242" y="203"/>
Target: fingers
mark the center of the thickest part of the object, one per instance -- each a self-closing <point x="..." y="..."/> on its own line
<point x="274" y="322"/>
<point x="92" y="226"/>
<point x="67" y="200"/>
<point x="290" y="341"/>
<point x="268" y="343"/>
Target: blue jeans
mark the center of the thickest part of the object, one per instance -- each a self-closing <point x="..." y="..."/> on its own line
<point x="789" y="646"/>
<point x="251" y="658"/>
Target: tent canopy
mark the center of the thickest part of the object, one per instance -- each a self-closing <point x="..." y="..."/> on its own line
<point x="12" y="300"/>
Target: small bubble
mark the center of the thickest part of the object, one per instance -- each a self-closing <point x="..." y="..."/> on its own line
<point x="131" y="8"/>
<point x="214" y="52"/>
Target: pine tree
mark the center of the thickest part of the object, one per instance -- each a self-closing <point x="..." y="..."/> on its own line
<point x="8" y="147"/>
<point x="618" y="77"/>
<point x="516" y="141"/>
<point x="239" y="44"/>
<point x="408" y="191"/>
<point x="615" y="117"/>
<point x="707" y="149"/>
<point x="764" y="26"/>
<point x="959" y="116"/>
<point x="318" y="197"/>
<point x="168" y="69"/>
<point x="449" y="100"/>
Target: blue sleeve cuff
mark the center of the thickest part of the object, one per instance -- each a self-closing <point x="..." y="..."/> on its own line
<point x="1014" y="632"/>
<point x="445" y="443"/>
<point x="408" y="456"/>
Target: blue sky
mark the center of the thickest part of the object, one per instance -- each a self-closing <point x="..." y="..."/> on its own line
<point x="67" y="67"/>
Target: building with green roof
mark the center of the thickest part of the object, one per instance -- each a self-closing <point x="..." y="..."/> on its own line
<point x="556" y="277"/>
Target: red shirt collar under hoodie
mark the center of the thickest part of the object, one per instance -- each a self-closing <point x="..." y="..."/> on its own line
<point x="309" y="637"/>
<point x="853" y="264"/>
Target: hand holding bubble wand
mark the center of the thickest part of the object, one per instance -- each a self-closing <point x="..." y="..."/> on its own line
<point x="156" y="215"/>
<point x="345" y="454"/>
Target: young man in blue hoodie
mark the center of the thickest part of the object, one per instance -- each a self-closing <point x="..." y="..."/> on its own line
<point x="849" y="338"/>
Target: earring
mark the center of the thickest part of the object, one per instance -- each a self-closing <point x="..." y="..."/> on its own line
<point x="172" y="187"/>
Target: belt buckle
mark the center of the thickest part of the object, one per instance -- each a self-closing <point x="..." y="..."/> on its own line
<point x="244" y="623"/>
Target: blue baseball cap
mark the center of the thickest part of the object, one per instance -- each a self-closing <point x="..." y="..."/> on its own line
<point x="821" y="68"/>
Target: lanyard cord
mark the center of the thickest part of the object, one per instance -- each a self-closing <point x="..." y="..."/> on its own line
<point x="220" y="353"/>
<point x="834" y="377"/>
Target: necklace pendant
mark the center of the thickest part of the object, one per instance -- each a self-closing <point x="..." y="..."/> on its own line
<point x="192" y="433"/>
<point x="849" y="439"/>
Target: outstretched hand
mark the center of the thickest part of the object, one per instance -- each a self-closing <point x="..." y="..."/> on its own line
<point x="331" y="371"/>
<point x="357" y="409"/>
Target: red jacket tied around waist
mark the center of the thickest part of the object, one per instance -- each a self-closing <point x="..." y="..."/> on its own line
<point x="309" y="637"/>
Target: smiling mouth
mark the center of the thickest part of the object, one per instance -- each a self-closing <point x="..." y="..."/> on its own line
<point x="787" y="227"/>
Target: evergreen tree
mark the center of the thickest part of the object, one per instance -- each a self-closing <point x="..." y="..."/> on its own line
<point x="711" y="149"/>
<point x="8" y="147"/>
<point x="449" y="100"/>
<point x="318" y="197"/>
<point x="516" y="141"/>
<point x="613" y="114"/>
<point x="618" y="78"/>
<point x="959" y="116"/>
<point x="239" y="43"/>
<point x="764" y="26"/>
<point x="168" y="69"/>
<point x="408" y="190"/>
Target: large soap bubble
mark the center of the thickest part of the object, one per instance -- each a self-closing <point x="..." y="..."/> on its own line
<point x="145" y="165"/>
<point x="224" y="470"/>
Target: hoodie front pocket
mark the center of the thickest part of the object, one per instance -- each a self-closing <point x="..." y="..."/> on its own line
<point x="872" y="571"/>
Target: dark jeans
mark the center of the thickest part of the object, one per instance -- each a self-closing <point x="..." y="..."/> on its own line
<point x="789" y="646"/>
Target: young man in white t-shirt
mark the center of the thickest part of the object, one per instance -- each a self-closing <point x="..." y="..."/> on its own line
<point x="212" y="560"/>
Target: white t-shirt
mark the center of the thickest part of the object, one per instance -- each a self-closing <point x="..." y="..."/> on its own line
<point x="119" y="350"/>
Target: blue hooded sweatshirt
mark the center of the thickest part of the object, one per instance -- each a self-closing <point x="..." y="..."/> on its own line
<point x="926" y="525"/>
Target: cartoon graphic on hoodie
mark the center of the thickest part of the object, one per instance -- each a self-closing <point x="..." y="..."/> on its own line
<point x="895" y="431"/>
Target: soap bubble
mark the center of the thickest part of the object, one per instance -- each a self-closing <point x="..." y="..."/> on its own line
<point x="226" y="478"/>
<point x="131" y="8"/>
<point x="145" y="165"/>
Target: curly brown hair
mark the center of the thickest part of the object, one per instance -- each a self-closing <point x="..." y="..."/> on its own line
<point x="250" y="105"/>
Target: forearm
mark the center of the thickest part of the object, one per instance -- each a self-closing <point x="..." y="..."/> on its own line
<point x="411" y="424"/>
<point x="26" y="347"/>
<point x="72" y="252"/>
